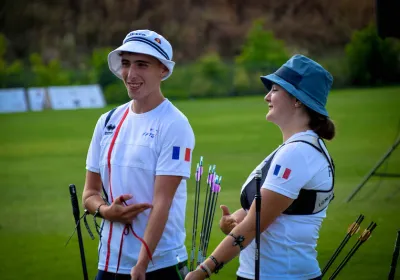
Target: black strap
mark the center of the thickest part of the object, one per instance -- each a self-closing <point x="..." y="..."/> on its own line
<point x="307" y="196"/>
<point x="309" y="143"/>
<point x="109" y="116"/>
<point x="105" y="196"/>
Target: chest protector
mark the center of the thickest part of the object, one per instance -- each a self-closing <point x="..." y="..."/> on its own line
<point x="309" y="201"/>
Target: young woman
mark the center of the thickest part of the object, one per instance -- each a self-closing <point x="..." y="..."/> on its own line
<point x="297" y="183"/>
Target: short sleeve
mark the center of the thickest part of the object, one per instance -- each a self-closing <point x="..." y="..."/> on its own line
<point x="176" y="150"/>
<point x="93" y="155"/>
<point x="289" y="171"/>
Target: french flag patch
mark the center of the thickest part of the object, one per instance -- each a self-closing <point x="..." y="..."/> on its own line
<point x="281" y="172"/>
<point x="179" y="153"/>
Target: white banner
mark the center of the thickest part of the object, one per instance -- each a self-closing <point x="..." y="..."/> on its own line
<point x="12" y="100"/>
<point x="37" y="98"/>
<point x="75" y="97"/>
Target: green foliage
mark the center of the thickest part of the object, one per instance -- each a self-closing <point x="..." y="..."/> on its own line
<point x="241" y="80"/>
<point x="116" y="93"/>
<point x="368" y="60"/>
<point x="51" y="74"/>
<point x="11" y="75"/>
<point x="3" y="49"/>
<point x="99" y="72"/>
<point x="261" y="54"/>
<point x="262" y="50"/>
<point x="39" y="73"/>
<point x="247" y="82"/>
<point x="210" y="77"/>
<point x="177" y="85"/>
<point x="372" y="60"/>
<point x="336" y="64"/>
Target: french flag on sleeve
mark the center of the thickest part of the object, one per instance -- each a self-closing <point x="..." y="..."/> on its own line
<point x="282" y="172"/>
<point x="179" y="153"/>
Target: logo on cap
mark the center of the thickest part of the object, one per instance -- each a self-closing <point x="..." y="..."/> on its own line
<point x="157" y="40"/>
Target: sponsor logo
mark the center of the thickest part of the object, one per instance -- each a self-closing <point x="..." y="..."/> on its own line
<point x="109" y="129"/>
<point x="151" y="133"/>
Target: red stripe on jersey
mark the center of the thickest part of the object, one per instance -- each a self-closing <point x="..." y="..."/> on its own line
<point x="187" y="154"/>
<point x="108" y="247"/>
<point x="109" y="182"/>
<point x="111" y="149"/>
<point x="286" y="174"/>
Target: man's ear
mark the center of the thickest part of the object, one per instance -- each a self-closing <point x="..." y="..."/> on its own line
<point x="164" y="71"/>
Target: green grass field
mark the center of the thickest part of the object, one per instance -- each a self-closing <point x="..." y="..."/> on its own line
<point x="42" y="153"/>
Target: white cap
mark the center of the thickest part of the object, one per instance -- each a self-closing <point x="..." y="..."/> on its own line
<point x="143" y="42"/>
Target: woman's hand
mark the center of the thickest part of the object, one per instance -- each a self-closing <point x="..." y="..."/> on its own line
<point x="197" y="274"/>
<point x="227" y="221"/>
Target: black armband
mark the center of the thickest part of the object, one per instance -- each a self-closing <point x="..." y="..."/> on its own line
<point x="238" y="241"/>
<point x="218" y="265"/>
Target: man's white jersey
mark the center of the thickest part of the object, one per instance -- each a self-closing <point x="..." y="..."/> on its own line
<point x="158" y="142"/>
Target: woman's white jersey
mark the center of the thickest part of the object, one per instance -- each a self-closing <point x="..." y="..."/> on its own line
<point x="288" y="245"/>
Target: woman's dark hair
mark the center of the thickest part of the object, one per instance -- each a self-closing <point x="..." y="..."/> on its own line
<point x="321" y="124"/>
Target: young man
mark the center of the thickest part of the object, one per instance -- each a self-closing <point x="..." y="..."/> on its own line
<point x="140" y="155"/>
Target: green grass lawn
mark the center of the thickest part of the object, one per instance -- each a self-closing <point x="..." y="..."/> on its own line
<point x="42" y="153"/>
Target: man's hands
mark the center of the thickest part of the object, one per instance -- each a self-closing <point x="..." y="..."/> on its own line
<point x="138" y="272"/>
<point x="227" y="221"/>
<point x="119" y="211"/>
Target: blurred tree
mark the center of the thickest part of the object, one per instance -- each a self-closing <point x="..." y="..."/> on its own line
<point x="177" y="85"/>
<point x="210" y="77"/>
<point x="99" y="71"/>
<point x="77" y="34"/>
<point x="373" y="61"/>
<point x="70" y="30"/>
<point x="115" y="93"/>
<point x="50" y="74"/>
<point x="262" y="50"/>
<point x="11" y="75"/>
<point x="262" y="53"/>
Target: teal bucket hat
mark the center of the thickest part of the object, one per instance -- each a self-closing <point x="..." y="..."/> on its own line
<point x="305" y="79"/>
